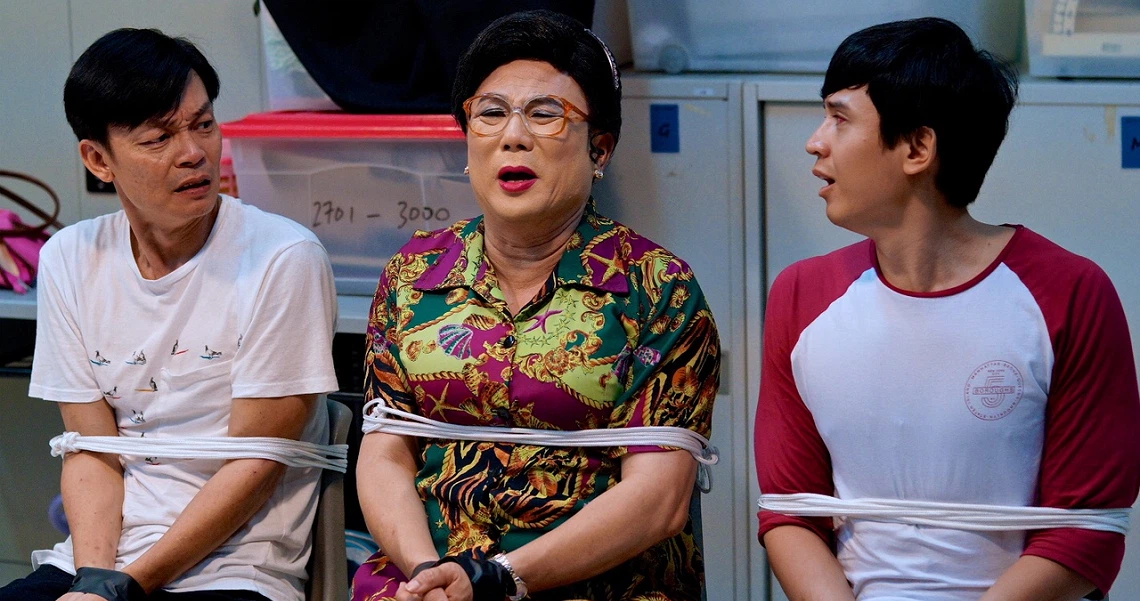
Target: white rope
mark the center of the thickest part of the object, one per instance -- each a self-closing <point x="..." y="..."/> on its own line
<point x="959" y="516"/>
<point x="293" y="453"/>
<point x="376" y="420"/>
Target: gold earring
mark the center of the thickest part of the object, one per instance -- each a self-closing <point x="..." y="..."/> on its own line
<point x="598" y="175"/>
<point x="466" y="170"/>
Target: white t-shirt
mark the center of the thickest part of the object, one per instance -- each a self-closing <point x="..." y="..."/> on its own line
<point x="252" y="315"/>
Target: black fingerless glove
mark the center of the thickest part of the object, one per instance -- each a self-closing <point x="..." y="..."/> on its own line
<point x="489" y="580"/>
<point x="112" y="585"/>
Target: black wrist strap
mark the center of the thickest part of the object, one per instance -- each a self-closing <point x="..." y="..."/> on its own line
<point x="112" y="585"/>
<point x="421" y="567"/>
<point x="489" y="580"/>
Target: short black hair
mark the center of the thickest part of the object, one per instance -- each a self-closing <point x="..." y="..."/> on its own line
<point x="128" y="77"/>
<point x="927" y="73"/>
<point x="550" y="37"/>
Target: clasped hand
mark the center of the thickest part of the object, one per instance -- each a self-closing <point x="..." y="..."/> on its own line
<point x="444" y="582"/>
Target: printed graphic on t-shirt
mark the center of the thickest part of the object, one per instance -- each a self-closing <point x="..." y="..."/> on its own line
<point x="138" y="358"/>
<point x="210" y="355"/>
<point x="100" y="360"/>
<point x="153" y="387"/>
<point x="137" y="417"/>
<point x="174" y="351"/>
<point x="240" y="336"/>
<point x="148" y="460"/>
<point x="112" y="394"/>
<point x="993" y="390"/>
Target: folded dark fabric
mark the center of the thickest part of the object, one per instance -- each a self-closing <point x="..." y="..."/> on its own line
<point x="398" y="56"/>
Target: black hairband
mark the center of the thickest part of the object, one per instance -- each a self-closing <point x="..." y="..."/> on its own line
<point x="609" y="57"/>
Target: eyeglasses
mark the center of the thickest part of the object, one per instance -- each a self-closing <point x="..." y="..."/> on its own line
<point x="546" y="116"/>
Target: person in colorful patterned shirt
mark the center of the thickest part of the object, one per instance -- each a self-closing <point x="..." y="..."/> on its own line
<point x="541" y="313"/>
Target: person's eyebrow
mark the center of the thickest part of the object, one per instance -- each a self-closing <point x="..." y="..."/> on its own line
<point x="205" y="108"/>
<point x="169" y="120"/>
<point x="835" y="105"/>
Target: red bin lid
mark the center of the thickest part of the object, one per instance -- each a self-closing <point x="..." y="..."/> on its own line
<point x="333" y="125"/>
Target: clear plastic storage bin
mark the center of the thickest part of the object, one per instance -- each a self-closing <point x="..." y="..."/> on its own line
<point x="792" y="35"/>
<point x="1086" y="38"/>
<point x="362" y="183"/>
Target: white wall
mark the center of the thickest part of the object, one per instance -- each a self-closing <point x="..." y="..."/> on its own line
<point x="35" y="43"/>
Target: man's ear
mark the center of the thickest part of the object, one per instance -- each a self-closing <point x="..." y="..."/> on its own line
<point x="601" y="149"/>
<point x="95" y="157"/>
<point x="922" y="146"/>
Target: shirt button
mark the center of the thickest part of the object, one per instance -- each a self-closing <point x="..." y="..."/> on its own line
<point x="509" y="341"/>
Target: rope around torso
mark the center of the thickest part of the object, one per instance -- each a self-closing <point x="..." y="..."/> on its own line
<point x="958" y="516"/>
<point x="376" y="419"/>
<point x="293" y="453"/>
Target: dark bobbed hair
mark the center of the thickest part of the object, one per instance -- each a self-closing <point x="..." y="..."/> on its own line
<point x="551" y="37"/>
<point x="128" y="77"/>
<point x="927" y="73"/>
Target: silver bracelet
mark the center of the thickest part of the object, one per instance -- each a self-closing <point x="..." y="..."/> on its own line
<point x="520" y="586"/>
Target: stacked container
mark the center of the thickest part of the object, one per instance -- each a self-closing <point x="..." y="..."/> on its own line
<point x="1083" y="38"/>
<point x="792" y="35"/>
<point x="363" y="183"/>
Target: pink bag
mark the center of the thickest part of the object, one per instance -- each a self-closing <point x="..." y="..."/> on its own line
<point x="20" y="244"/>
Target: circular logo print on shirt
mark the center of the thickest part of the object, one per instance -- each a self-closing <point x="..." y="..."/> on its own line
<point x="993" y="390"/>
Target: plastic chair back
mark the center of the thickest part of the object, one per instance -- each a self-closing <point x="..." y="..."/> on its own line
<point x="328" y="566"/>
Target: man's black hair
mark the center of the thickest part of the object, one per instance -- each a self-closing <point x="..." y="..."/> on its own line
<point x="927" y="73"/>
<point x="551" y="37"/>
<point x="128" y="77"/>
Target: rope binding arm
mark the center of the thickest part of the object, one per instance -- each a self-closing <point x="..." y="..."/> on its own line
<point x="293" y="453"/>
<point x="378" y="417"/>
<point x="958" y="516"/>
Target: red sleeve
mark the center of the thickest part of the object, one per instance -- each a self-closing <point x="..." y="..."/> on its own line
<point x="1091" y="457"/>
<point x="790" y="454"/>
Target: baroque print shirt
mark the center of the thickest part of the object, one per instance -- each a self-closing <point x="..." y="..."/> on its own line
<point x="619" y="336"/>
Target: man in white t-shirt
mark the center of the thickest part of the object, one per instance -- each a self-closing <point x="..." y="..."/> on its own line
<point x="186" y="314"/>
<point x="942" y="359"/>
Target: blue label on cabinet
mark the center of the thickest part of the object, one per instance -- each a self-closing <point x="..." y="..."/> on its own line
<point x="664" y="128"/>
<point x="1130" y="142"/>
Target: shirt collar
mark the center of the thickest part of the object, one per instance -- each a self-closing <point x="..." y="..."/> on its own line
<point x="593" y="257"/>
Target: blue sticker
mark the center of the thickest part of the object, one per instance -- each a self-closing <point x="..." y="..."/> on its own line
<point x="1130" y="142"/>
<point x="664" y="128"/>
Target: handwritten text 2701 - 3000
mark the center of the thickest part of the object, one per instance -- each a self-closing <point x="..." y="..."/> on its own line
<point x="327" y="213"/>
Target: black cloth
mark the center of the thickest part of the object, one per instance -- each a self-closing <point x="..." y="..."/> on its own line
<point x="112" y="585"/>
<point x="395" y="56"/>
<point x="49" y="583"/>
<point x="489" y="580"/>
